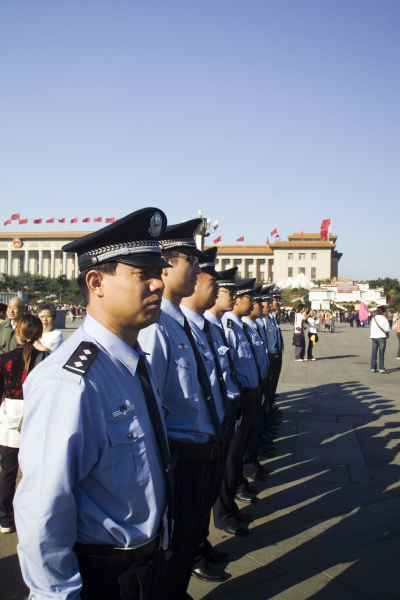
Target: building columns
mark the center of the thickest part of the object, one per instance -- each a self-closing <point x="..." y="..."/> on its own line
<point x="9" y="262"/>
<point x="40" y="265"/>
<point x="64" y="264"/>
<point x="26" y="261"/>
<point x="76" y="272"/>
<point x="52" y="262"/>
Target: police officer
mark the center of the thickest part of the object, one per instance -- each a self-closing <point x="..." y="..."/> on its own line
<point x="249" y="380"/>
<point x="206" y="334"/>
<point x="276" y="297"/>
<point x="89" y="509"/>
<point x="184" y="369"/>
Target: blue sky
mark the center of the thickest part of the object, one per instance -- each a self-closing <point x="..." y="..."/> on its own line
<point x="262" y="113"/>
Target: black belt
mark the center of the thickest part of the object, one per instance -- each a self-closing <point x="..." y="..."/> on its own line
<point x="109" y="556"/>
<point x="192" y="451"/>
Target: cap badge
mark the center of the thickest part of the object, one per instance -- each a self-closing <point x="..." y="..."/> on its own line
<point x="155" y="225"/>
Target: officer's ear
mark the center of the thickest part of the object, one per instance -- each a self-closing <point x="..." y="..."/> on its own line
<point x="94" y="283"/>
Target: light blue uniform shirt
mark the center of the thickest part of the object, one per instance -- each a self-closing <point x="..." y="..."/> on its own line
<point x="258" y="346"/>
<point x="272" y="333"/>
<point x="262" y="332"/>
<point x="84" y="480"/>
<point x="196" y="323"/>
<point x="222" y="350"/>
<point x="243" y="359"/>
<point x="280" y="338"/>
<point x="175" y="373"/>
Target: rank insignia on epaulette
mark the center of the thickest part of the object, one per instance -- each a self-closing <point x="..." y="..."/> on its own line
<point x="229" y="323"/>
<point x="82" y="358"/>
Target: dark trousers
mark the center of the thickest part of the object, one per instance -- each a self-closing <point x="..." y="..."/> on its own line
<point x="398" y="351"/>
<point x="310" y="346"/>
<point x="261" y="424"/>
<point x="299" y="351"/>
<point x="144" y="580"/>
<point x="378" y="344"/>
<point x="275" y="366"/>
<point x="351" y="322"/>
<point x="225" y="507"/>
<point x="193" y="486"/>
<point x="358" y="323"/>
<point x="8" y="477"/>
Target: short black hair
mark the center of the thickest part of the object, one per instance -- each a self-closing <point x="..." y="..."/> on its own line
<point x="46" y="306"/>
<point x="107" y="268"/>
<point x="3" y="307"/>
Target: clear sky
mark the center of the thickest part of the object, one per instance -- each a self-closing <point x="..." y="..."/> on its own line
<point x="262" y="113"/>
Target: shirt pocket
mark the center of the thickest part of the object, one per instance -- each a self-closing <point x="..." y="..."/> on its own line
<point x="244" y="350"/>
<point x="186" y="375"/>
<point x="222" y="352"/>
<point x="128" y="457"/>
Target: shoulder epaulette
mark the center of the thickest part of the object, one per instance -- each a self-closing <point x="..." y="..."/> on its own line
<point x="82" y="358"/>
<point x="229" y="323"/>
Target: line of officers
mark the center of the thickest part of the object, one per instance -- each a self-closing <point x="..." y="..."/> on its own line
<point x="139" y="426"/>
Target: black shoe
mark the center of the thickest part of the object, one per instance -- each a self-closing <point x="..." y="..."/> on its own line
<point x="214" y="556"/>
<point x="242" y="518"/>
<point x="278" y="413"/>
<point x="270" y="447"/>
<point x="245" y="496"/>
<point x="241" y="532"/>
<point x="251" y="488"/>
<point x="206" y="572"/>
<point x="263" y="469"/>
<point x="257" y="476"/>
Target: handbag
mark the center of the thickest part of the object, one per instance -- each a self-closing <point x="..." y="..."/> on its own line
<point x="379" y="327"/>
<point x="298" y="339"/>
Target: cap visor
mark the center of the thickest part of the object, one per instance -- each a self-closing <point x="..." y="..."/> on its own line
<point x="143" y="260"/>
<point x="189" y="251"/>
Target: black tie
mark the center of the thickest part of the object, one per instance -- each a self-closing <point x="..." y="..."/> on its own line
<point x="222" y="385"/>
<point x="246" y="333"/>
<point x="203" y="380"/>
<point x="155" y="417"/>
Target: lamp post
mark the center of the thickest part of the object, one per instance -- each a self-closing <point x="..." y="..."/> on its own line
<point x="205" y="229"/>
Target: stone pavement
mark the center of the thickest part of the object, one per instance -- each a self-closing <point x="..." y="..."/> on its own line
<point x="327" y="521"/>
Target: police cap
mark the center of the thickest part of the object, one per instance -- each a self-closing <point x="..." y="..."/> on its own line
<point x="246" y="287"/>
<point x="181" y="237"/>
<point x="132" y="240"/>
<point x="227" y="279"/>
<point x="207" y="265"/>
<point x="257" y="293"/>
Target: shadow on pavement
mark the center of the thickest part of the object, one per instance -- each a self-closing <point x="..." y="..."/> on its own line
<point x="12" y="586"/>
<point x="342" y="517"/>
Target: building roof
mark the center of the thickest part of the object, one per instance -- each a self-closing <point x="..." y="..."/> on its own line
<point x="42" y="235"/>
<point x="306" y="244"/>
<point x="243" y="249"/>
<point x="310" y="236"/>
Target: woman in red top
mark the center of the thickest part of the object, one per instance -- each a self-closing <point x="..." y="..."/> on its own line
<point x="14" y="369"/>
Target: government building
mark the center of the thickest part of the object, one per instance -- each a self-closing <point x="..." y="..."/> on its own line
<point x="305" y="254"/>
<point x="39" y="253"/>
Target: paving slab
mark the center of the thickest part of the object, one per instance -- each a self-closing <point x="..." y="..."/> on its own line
<point x="299" y="585"/>
<point x="328" y="443"/>
<point x="319" y="471"/>
<point x="373" y="570"/>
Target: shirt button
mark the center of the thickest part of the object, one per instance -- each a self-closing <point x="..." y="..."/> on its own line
<point x="130" y="436"/>
<point x="189" y="363"/>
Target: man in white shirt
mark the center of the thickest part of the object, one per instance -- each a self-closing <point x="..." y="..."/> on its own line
<point x="379" y="333"/>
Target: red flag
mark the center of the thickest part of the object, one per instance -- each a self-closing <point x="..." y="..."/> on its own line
<point x="74" y="220"/>
<point x="98" y="220"/>
<point x="23" y="221"/>
<point x="110" y="220"/>
<point x="267" y="241"/>
<point x="240" y="239"/>
<point x="8" y="222"/>
<point x="274" y="231"/>
<point x="50" y="220"/>
<point x="278" y="236"/>
<point x="87" y="220"/>
<point x="62" y="220"/>
<point x="37" y="221"/>
<point x="302" y="235"/>
<point x="324" y="229"/>
<point x="15" y="217"/>
<point x="217" y="240"/>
